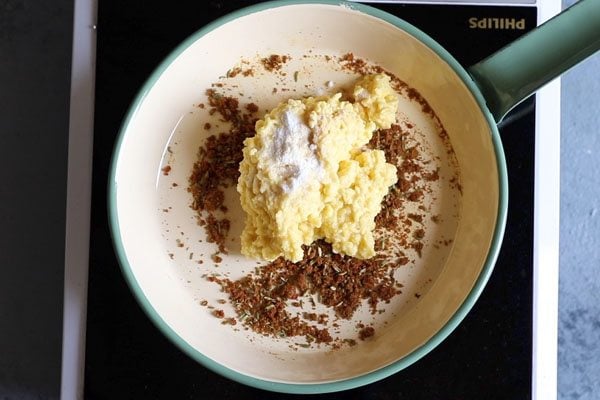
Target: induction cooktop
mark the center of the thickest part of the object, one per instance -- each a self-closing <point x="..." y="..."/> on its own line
<point x="505" y="347"/>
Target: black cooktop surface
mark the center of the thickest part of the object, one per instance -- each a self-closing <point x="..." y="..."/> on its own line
<point x="488" y="355"/>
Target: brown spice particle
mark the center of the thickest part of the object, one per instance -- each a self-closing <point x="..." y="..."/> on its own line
<point x="252" y="107"/>
<point x="218" y="313"/>
<point x="309" y="316"/>
<point x="207" y="126"/>
<point x="416" y="217"/>
<point x="216" y="230"/>
<point x="366" y="333"/>
<point x="233" y="72"/>
<point x="416" y="195"/>
<point x="352" y="63"/>
<point x="322" y="319"/>
<point x="418" y="246"/>
<point x="274" y="62"/>
<point x="166" y="169"/>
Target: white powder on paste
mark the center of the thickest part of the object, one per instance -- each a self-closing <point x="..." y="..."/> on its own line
<point x="294" y="157"/>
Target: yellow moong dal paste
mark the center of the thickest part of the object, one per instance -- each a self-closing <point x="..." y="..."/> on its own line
<point x="306" y="174"/>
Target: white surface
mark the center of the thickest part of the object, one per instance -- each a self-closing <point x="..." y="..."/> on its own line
<point x="546" y="231"/>
<point x="79" y="181"/>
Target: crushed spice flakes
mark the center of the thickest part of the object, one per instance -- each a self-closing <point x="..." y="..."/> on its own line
<point x="339" y="282"/>
<point x="274" y="62"/>
<point x="366" y="332"/>
<point x="251" y="107"/>
<point x="218" y="166"/>
<point x="232" y="73"/>
<point x="262" y="299"/>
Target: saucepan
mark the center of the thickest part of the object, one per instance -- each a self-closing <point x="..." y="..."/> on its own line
<point x="453" y="219"/>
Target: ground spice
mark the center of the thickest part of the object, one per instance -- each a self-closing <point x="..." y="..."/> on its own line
<point x="234" y="72"/>
<point x="340" y="282"/>
<point x="218" y="166"/>
<point x="366" y="332"/>
<point x="274" y="62"/>
<point x="262" y="299"/>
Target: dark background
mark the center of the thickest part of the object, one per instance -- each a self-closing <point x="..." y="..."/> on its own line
<point x="35" y="72"/>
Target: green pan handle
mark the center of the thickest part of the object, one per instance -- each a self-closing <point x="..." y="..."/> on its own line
<point x="515" y="72"/>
